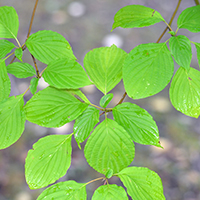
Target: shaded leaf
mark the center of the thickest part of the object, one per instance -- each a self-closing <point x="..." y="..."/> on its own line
<point x="105" y="100"/>
<point x="5" y="47"/>
<point x="33" y="85"/>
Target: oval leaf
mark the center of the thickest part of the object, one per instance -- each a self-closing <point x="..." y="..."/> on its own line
<point x="49" y="160"/>
<point x="9" y="22"/>
<point x="85" y="123"/>
<point x="109" y="147"/>
<point x="47" y="46"/>
<point x="33" y="85"/>
<point x="69" y="190"/>
<point x="105" y="100"/>
<point x="190" y="19"/>
<point x="142" y="183"/>
<point x="138" y="123"/>
<point x="21" y="70"/>
<point x="5" y="85"/>
<point x="63" y="73"/>
<point x="12" y="120"/>
<point x="185" y="92"/>
<point x="181" y="50"/>
<point x="147" y="70"/>
<point x="53" y="108"/>
<point x="135" y="16"/>
<point x="5" y="47"/>
<point x="104" y="66"/>
<point x="109" y="192"/>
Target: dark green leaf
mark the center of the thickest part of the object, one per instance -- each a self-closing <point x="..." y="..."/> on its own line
<point x="5" y="47"/>
<point x="147" y="70"/>
<point x="105" y="100"/>
<point x="142" y="183"/>
<point x="52" y="107"/>
<point x="33" y="85"/>
<point x="49" y="160"/>
<point x="19" y="54"/>
<point x="63" y="73"/>
<point x="109" y="173"/>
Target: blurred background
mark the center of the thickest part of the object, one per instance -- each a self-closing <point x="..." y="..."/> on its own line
<point x="86" y="24"/>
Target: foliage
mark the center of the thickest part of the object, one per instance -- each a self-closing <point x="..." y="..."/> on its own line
<point x="145" y="71"/>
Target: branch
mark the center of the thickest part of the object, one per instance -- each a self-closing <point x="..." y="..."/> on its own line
<point x="36" y="68"/>
<point x="197" y="2"/>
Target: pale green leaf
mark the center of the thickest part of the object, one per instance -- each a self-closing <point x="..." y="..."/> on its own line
<point x="19" y="54"/>
<point x="197" y="45"/>
<point x="47" y="46"/>
<point x="147" y="70"/>
<point x="181" y="50"/>
<point x="138" y="123"/>
<point x="104" y="66"/>
<point x="9" y="22"/>
<point x="105" y="100"/>
<point x="190" y="19"/>
<point x="68" y="190"/>
<point x="52" y="107"/>
<point x="48" y="161"/>
<point x="142" y="183"/>
<point x="33" y="85"/>
<point x="135" y="16"/>
<point x="5" y="47"/>
<point x="64" y="73"/>
<point x="5" y="85"/>
<point x="12" y="120"/>
<point x="185" y="92"/>
<point x="109" y="147"/>
<point x="85" y="123"/>
<point x="110" y="192"/>
<point x="21" y="70"/>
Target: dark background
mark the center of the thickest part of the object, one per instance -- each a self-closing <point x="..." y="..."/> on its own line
<point x="86" y="24"/>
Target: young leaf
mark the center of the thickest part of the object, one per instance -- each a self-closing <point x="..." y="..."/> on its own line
<point x="147" y="70"/>
<point x="47" y="46"/>
<point x="109" y="173"/>
<point x="21" y="70"/>
<point x="49" y="160"/>
<point x="19" y="54"/>
<point x="190" y="19"/>
<point x="197" y="45"/>
<point x="135" y="16"/>
<point x="5" y="84"/>
<point x="33" y="85"/>
<point x="5" y="47"/>
<point x="109" y="147"/>
<point x="142" y="183"/>
<point x="63" y="73"/>
<point x="85" y="123"/>
<point x="68" y="190"/>
<point x="105" y="100"/>
<point x="52" y="107"/>
<point x="104" y="66"/>
<point x="138" y="123"/>
<point x="12" y="120"/>
<point x="9" y="22"/>
<point x="181" y="50"/>
<point x="185" y="92"/>
<point x="109" y="192"/>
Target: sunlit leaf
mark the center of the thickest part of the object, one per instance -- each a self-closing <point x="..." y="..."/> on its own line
<point x="5" y="47"/>
<point x="33" y="85"/>
<point x="19" y="54"/>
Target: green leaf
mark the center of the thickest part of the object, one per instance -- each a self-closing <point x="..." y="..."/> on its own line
<point x="135" y="16"/>
<point x="109" y="147"/>
<point x="33" y="85"/>
<point x="147" y="70"/>
<point x="9" y="22"/>
<point x="110" y="192"/>
<point x="138" y="123"/>
<point x="109" y="173"/>
<point x="52" y="107"/>
<point x="197" y="45"/>
<point x="21" y="70"/>
<point x="185" y="92"/>
<point x="49" y="160"/>
<point x="12" y="120"/>
<point x="190" y="19"/>
<point x="63" y="73"/>
<point x="104" y="66"/>
<point x="5" y="47"/>
<point x="47" y="46"/>
<point x="85" y="123"/>
<point x="105" y="100"/>
<point x="68" y="190"/>
<point x="79" y="95"/>
<point x="5" y="85"/>
<point x="181" y="50"/>
<point x="142" y="183"/>
<point x="19" y="54"/>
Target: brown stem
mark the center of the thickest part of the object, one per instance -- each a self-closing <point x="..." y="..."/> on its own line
<point x="32" y="17"/>
<point x="197" y="2"/>
<point x="170" y="22"/>
<point x="12" y="59"/>
<point x="122" y="99"/>
<point x="36" y="68"/>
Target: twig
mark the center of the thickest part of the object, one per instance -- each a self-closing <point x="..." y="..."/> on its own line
<point x="197" y="2"/>
<point x="36" y="68"/>
<point x="122" y="99"/>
